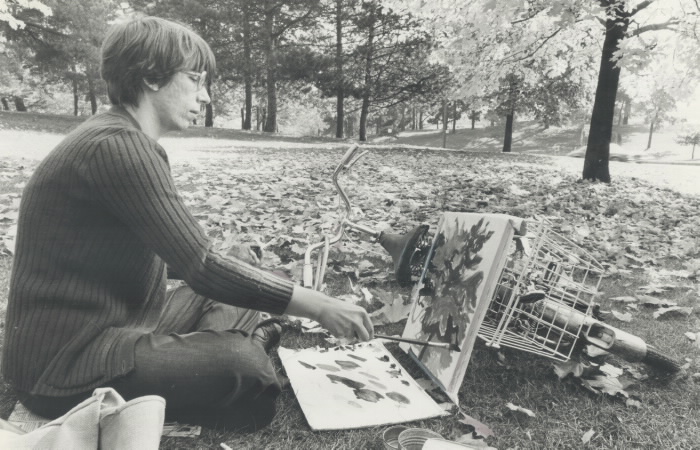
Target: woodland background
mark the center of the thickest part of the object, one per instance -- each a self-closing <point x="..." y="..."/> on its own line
<point x="359" y="68"/>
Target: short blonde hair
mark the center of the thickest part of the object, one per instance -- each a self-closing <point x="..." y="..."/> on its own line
<point x="151" y="49"/>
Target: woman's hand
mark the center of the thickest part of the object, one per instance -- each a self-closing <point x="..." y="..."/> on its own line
<point x="342" y="319"/>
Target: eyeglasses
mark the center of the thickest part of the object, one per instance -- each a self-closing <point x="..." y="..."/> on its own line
<point x="199" y="78"/>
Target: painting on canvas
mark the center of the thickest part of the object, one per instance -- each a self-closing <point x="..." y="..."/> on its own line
<point x="355" y="386"/>
<point x="452" y="296"/>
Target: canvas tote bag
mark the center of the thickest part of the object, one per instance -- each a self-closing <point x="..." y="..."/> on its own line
<point x="104" y="421"/>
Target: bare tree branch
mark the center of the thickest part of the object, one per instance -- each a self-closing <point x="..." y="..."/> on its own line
<point x="641" y="6"/>
<point x="536" y="49"/>
<point x="668" y="25"/>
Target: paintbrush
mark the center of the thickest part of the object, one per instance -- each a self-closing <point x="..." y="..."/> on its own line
<point x="448" y="345"/>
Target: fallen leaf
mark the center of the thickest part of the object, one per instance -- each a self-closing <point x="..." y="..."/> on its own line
<point x="655" y="288"/>
<point x="611" y="370"/>
<point x="479" y="428"/>
<point x="647" y="300"/>
<point x="586" y="438"/>
<point x="394" y="308"/>
<point x="605" y="384"/>
<point x="520" y="409"/>
<point x="623" y="317"/>
<point x="632" y="403"/>
<point x="625" y="299"/>
<point x="365" y="268"/>
<point x="673" y="311"/>
<point x="216" y="201"/>
<point x="570" y="367"/>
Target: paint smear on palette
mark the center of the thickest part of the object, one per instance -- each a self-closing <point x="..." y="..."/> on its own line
<point x="378" y="384"/>
<point x="359" y="358"/>
<point x="368" y="395"/>
<point x="352" y="384"/>
<point x="328" y="367"/>
<point x="398" y="397"/>
<point x="369" y="375"/>
<point x="347" y="365"/>
<point x="308" y="366"/>
<point x="358" y="388"/>
<point x="394" y="373"/>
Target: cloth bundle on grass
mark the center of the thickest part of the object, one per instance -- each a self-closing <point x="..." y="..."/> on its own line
<point x="103" y="421"/>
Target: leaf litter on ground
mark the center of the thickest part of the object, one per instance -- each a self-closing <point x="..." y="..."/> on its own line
<point x="289" y="194"/>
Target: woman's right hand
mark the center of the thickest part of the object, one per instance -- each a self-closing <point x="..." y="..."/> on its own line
<point x="342" y="319"/>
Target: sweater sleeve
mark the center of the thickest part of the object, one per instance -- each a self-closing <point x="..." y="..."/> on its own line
<point x="129" y="175"/>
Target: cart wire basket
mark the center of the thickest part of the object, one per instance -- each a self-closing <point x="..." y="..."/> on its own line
<point x="547" y="284"/>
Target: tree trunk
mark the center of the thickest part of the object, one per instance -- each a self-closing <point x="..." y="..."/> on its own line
<point x="364" y="112"/>
<point x="209" y="116"/>
<point x="91" y="93"/>
<point x="19" y="104"/>
<point x="420" y="120"/>
<point x="271" y="70"/>
<point x="473" y="122"/>
<point x="208" y="109"/>
<point x="619" y="116"/>
<point x="247" y="68"/>
<point x="512" y="99"/>
<point x="444" y="124"/>
<point x="454" y="118"/>
<point x="595" y="166"/>
<point x="76" y="97"/>
<point x="508" y="138"/>
<point x="76" y="94"/>
<point x="651" y="133"/>
<point x="5" y="104"/>
<point x="628" y="110"/>
<point x="340" y="91"/>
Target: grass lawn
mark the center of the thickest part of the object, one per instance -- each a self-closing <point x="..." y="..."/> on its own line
<point x="289" y="193"/>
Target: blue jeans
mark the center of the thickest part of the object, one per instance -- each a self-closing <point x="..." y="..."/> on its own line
<point x="202" y="361"/>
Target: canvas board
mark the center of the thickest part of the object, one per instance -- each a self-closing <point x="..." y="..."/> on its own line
<point x="454" y="291"/>
<point x="355" y="386"/>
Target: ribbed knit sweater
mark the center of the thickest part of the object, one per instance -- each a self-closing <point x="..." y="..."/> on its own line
<point x="99" y="220"/>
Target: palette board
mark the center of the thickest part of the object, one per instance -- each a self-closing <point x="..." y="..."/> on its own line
<point x="355" y="386"/>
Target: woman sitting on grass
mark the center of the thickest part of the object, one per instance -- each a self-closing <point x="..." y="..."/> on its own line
<point x="100" y="219"/>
